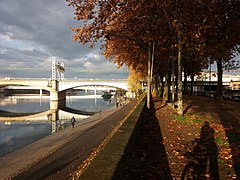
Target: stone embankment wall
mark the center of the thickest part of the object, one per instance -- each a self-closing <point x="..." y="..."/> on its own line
<point x="109" y="163"/>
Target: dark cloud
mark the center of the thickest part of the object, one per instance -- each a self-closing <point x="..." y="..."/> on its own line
<point x="31" y="32"/>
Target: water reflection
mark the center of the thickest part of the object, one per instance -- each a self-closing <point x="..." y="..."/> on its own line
<point x="25" y="120"/>
<point x="20" y="134"/>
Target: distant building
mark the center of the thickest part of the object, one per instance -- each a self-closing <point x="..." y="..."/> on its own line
<point x="206" y="76"/>
<point x="234" y="85"/>
<point x="206" y="81"/>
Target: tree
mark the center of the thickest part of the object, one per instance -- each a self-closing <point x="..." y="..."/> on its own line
<point x="126" y="28"/>
<point x="221" y="21"/>
<point x="135" y="80"/>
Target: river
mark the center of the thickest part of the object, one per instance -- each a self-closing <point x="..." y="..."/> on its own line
<point x="25" y="119"/>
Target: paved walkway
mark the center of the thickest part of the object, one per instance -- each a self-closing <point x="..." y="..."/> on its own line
<point x="57" y="155"/>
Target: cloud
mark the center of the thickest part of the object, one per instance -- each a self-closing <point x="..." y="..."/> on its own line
<point x="31" y="32"/>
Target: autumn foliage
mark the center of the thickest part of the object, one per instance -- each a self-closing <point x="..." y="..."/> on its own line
<point x="202" y="29"/>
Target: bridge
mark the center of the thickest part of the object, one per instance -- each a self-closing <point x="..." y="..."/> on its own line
<point x="57" y="85"/>
<point x="58" y="88"/>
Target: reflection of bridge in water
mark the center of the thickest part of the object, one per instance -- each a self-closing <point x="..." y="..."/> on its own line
<point x="56" y="114"/>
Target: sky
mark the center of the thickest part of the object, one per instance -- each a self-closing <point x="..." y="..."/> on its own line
<point x="34" y="31"/>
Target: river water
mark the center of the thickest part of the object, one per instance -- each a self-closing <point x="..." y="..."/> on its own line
<point x="25" y="119"/>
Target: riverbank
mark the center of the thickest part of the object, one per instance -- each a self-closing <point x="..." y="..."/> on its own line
<point x="205" y="141"/>
<point x="63" y="147"/>
<point x="24" y="121"/>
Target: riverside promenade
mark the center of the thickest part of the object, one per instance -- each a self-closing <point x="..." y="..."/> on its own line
<point x="58" y="155"/>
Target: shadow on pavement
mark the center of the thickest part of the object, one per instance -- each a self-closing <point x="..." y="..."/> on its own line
<point x="203" y="159"/>
<point x="232" y="131"/>
<point x="148" y="159"/>
<point x="228" y="113"/>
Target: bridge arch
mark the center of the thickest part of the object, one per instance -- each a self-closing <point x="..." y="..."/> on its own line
<point x="32" y="83"/>
<point x="87" y="85"/>
<point x="63" y="86"/>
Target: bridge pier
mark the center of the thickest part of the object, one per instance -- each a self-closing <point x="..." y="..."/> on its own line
<point x="55" y="118"/>
<point x="54" y="115"/>
<point x="57" y="99"/>
<point x="55" y="95"/>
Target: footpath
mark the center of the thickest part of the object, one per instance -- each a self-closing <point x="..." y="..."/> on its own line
<point x="204" y="144"/>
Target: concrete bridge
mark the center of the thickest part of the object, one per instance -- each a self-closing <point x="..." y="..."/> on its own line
<point x="58" y="88"/>
<point x="58" y="85"/>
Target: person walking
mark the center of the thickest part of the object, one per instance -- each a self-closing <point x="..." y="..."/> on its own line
<point x="73" y="121"/>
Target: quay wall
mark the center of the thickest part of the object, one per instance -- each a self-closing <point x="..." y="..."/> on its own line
<point x="109" y="163"/>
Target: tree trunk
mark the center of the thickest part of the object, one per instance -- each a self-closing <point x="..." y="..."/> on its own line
<point x="152" y="56"/>
<point x="176" y="84"/>
<point x="192" y="83"/>
<point x="192" y="79"/>
<point x="166" y="92"/>
<point x="219" y="84"/>
<point x="173" y="84"/>
<point x="159" y="86"/>
<point x="180" y="94"/>
<point x="169" y="80"/>
<point x="185" y="82"/>
<point x="156" y="85"/>
<point x="149" y="76"/>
